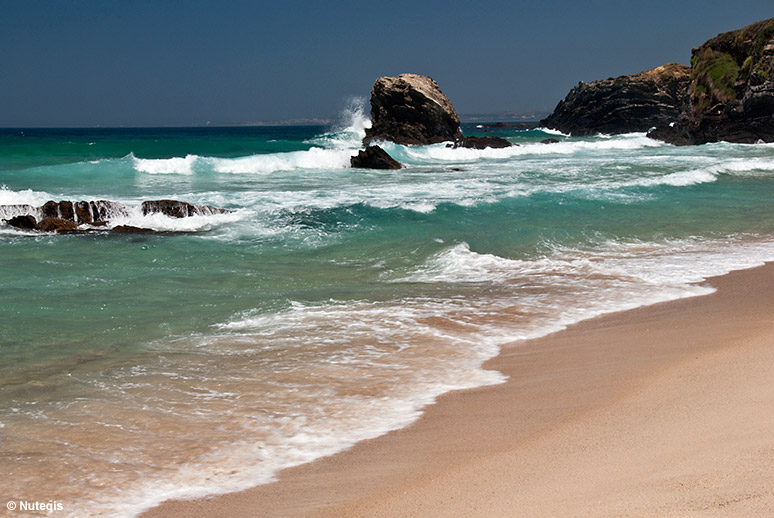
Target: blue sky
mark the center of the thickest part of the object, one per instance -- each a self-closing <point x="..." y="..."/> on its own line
<point x="164" y="62"/>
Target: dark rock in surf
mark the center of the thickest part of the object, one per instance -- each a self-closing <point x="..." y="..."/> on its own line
<point x="84" y="212"/>
<point x="25" y="222"/>
<point x="178" y="209"/>
<point x="58" y="225"/>
<point x="58" y="210"/>
<point x="129" y="229"/>
<point x="66" y="216"/>
<point x="550" y="140"/>
<point x="103" y="211"/>
<point x="374" y="157"/>
<point x="411" y="109"/>
<point x="671" y="134"/>
<point x="483" y="143"/>
<point x="519" y="125"/>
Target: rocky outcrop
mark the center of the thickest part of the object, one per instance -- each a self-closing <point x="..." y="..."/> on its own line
<point x="58" y="225"/>
<point x="25" y="222"/>
<point x="66" y="216"/>
<point x="731" y="94"/>
<point x="178" y="209"/>
<point x="374" y="157"/>
<point x="84" y="212"/>
<point x="623" y="104"/>
<point x="411" y="109"/>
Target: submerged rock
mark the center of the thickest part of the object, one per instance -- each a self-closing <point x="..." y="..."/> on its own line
<point x="411" y="109"/>
<point x="520" y="125"/>
<point x="374" y="157"/>
<point x="731" y="94"/>
<point x="483" y="142"/>
<point x="58" y="225"/>
<point x="129" y="229"/>
<point x="623" y="104"/>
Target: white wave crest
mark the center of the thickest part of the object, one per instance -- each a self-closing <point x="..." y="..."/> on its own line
<point x="314" y="158"/>
<point x="669" y="264"/>
<point x="175" y="165"/>
<point x="331" y="150"/>
<point x="587" y="283"/>
<point x="23" y="197"/>
<point x="708" y="174"/>
<point x="758" y="166"/>
<point x="440" y="153"/>
<point x="678" y="179"/>
<point x="163" y="223"/>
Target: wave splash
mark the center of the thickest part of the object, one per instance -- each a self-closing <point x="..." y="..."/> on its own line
<point x="331" y="150"/>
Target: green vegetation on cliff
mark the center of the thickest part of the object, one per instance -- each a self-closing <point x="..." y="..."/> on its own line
<point x="724" y="67"/>
<point x="714" y="75"/>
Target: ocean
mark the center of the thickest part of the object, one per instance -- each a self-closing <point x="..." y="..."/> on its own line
<point x="330" y="304"/>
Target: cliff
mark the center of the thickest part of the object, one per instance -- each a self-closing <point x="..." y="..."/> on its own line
<point x="731" y="93"/>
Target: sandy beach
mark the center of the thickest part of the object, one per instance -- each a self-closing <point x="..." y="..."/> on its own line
<point x="660" y="411"/>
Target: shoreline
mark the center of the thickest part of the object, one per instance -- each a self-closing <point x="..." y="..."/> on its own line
<point x="661" y="410"/>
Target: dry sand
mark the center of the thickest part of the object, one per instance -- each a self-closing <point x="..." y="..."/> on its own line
<point x="661" y="411"/>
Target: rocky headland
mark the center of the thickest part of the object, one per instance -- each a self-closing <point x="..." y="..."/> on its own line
<point x="622" y="104"/>
<point x="726" y="94"/>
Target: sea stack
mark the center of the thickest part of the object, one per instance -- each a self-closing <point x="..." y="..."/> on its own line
<point x="623" y="104"/>
<point x="731" y="94"/>
<point x="411" y="109"/>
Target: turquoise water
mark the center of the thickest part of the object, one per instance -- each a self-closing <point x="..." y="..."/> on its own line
<point x="331" y="304"/>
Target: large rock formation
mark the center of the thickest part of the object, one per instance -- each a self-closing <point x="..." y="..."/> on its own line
<point x="411" y="109"/>
<point x="731" y="94"/>
<point x="623" y="104"/>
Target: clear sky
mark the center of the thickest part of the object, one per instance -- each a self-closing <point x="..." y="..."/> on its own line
<point x="186" y="62"/>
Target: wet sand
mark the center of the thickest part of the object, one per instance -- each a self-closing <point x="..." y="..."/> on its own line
<point x="666" y="410"/>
